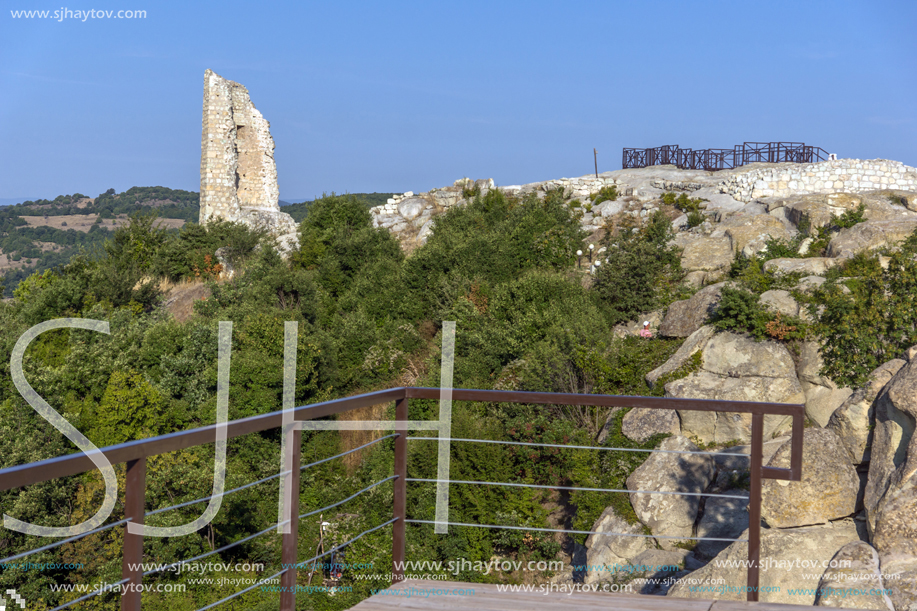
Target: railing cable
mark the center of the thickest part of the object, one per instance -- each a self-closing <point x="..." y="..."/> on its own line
<point x="62" y="542"/>
<point x="578" y="532"/>
<point x="216" y="551"/>
<point x="349" y="498"/>
<point x="556" y="445"/>
<point x="546" y="487"/>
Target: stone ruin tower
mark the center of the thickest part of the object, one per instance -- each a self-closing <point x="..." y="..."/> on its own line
<point x="238" y="173"/>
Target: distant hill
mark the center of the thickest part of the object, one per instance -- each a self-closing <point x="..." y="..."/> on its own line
<point x="39" y="234"/>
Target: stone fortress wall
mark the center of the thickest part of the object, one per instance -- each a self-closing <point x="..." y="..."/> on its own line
<point x="238" y="173"/>
<point x="835" y="176"/>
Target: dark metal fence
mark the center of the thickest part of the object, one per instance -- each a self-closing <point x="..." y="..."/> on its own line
<point x="723" y="159"/>
<point x="134" y="455"/>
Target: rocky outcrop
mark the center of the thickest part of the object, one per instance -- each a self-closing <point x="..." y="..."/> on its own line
<point x="870" y="235"/>
<point x="749" y="234"/>
<point x="736" y="367"/>
<point x="685" y="317"/>
<point x="641" y="423"/>
<point x="706" y="254"/>
<point x="822" y="395"/>
<point x="894" y="455"/>
<point x="852" y="575"/>
<point x="238" y="173"/>
<point x="779" y="301"/>
<point x="608" y="550"/>
<point x="854" y="420"/>
<point x="670" y="515"/>
<point x="828" y="490"/>
<point x="812" y="266"/>
<point x="723" y="518"/>
<point x="695" y="342"/>
<point x="782" y="550"/>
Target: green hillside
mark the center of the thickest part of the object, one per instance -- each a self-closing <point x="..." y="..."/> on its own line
<point x="42" y="234"/>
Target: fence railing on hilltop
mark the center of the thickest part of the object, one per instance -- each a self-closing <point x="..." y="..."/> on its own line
<point x="723" y="159"/>
<point x="135" y="454"/>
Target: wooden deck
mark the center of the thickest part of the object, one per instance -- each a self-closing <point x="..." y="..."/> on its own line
<point x="486" y="597"/>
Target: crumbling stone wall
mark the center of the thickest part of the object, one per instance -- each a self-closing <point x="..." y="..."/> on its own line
<point x="238" y="173"/>
<point x="835" y="176"/>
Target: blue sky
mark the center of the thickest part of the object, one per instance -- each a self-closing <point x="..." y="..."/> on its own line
<point x="395" y="96"/>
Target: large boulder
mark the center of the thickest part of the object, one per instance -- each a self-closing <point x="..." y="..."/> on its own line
<point x="749" y="234"/>
<point x="670" y="515"/>
<point x="894" y="453"/>
<point x="812" y="266"/>
<point x="641" y="423"/>
<point x="822" y="395"/>
<point x="695" y="343"/>
<point x="828" y="490"/>
<point x="779" y="301"/>
<point x="604" y="551"/>
<point x="706" y="253"/>
<point x="870" y="235"/>
<point x="891" y="490"/>
<point x="820" y="208"/>
<point x="782" y="550"/>
<point x="737" y="368"/>
<point x="724" y="517"/>
<point x="854" y="420"/>
<point x="685" y="317"/>
<point x="852" y="574"/>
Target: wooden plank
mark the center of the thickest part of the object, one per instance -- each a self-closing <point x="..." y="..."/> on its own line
<point x="487" y="597"/>
<point x="732" y="605"/>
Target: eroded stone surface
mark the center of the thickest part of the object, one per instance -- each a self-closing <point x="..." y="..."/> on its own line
<point x="781" y="550"/>
<point x="641" y="423"/>
<point x="893" y="458"/>
<point x="869" y="235"/>
<point x="854" y="420"/>
<point x="855" y="573"/>
<point x="667" y="514"/>
<point x="608" y="550"/>
<point x="828" y="490"/>
<point x="687" y="316"/>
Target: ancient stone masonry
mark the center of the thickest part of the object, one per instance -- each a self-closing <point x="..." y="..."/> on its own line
<point x="238" y="173"/>
<point x="836" y="176"/>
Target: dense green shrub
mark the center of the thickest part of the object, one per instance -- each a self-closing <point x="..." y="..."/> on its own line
<point x="872" y="323"/>
<point x="639" y="270"/>
<point x="607" y="193"/>
<point x="491" y="240"/>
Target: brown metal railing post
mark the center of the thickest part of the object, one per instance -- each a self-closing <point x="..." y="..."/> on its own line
<point x="400" y="500"/>
<point x="290" y="546"/>
<point x="754" y="506"/>
<point x="132" y="549"/>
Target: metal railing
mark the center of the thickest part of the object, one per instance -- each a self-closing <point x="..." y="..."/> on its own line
<point x="723" y="159"/>
<point x="135" y="454"/>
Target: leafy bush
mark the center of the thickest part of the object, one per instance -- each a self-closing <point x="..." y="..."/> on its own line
<point x="640" y="269"/>
<point x="850" y="217"/>
<point x="740" y="310"/>
<point x="492" y="240"/>
<point x="875" y="322"/>
<point x="695" y="218"/>
<point x="607" y="193"/>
